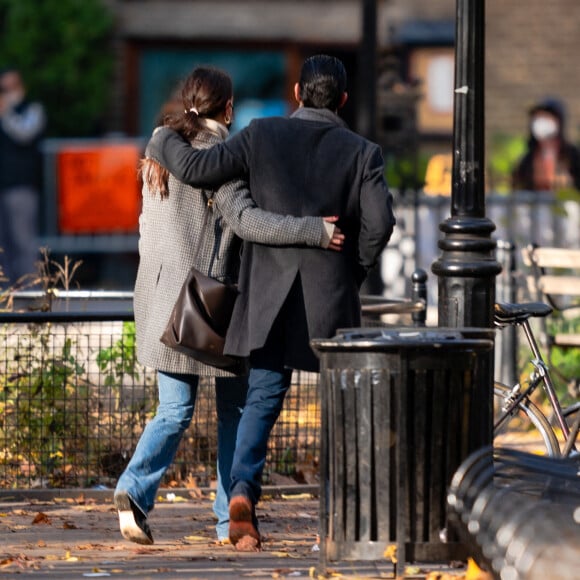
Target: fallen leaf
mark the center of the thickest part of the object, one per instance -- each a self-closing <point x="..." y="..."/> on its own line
<point x="474" y="572"/>
<point x="191" y="482"/>
<point x="21" y="561"/>
<point x="390" y="553"/>
<point x="7" y="562"/>
<point x="81" y="547"/>
<point x="41" y="518"/>
<point x="296" y="496"/>
<point x="69" y="558"/>
<point x="173" y="498"/>
<point x="69" y="526"/>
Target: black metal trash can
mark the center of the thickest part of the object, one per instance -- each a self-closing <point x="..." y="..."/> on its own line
<point x="401" y="408"/>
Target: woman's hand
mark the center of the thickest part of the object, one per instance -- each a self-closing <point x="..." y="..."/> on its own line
<point x="337" y="239"/>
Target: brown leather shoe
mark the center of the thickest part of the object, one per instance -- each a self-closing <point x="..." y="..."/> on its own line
<point x="244" y="534"/>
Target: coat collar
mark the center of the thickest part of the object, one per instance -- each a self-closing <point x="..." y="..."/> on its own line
<point x="215" y="127"/>
<point x="320" y="115"/>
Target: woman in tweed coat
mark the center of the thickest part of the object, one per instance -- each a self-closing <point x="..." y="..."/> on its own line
<point x="171" y="241"/>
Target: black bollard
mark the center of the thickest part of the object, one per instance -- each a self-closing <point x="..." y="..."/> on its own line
<point x="418" y="293"/>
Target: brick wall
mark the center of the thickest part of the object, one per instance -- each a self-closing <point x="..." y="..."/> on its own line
<point x="533" y="50"/>
<point x="532" y="47"/>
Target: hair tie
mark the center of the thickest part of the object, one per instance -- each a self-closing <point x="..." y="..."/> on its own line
<point x="194" y="110"/>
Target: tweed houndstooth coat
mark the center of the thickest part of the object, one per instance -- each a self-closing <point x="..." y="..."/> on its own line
<point x="171" y="241"/>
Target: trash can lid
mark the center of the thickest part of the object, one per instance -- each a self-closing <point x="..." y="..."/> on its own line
<point x="381" y="338"/>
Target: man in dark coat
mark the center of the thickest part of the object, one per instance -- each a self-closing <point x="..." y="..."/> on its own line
<point x="307" y="164"/>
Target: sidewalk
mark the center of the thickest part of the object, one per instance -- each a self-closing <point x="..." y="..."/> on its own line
<point x="76" y="535"/>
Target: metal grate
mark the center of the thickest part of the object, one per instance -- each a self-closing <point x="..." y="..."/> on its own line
<point x="74" y="400"/>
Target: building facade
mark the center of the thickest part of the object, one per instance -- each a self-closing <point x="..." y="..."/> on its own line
<point x="531" y="52"/>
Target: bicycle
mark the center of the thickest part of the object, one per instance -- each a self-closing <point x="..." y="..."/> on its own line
<point x="513" y="403"/>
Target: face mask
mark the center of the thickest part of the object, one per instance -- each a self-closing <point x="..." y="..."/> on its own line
<point x="544" y="128"/>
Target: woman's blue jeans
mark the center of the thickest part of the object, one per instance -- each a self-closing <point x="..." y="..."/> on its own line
<point x="161" y="437"/>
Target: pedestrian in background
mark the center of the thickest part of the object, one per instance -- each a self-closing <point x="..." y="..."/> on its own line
<point x="551" y="162"/>
<point x="22" y="126"/>
<point x="181" y="227"/>
<point x="307" y="164"/>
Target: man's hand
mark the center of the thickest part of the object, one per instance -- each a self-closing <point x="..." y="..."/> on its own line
<point x="337" y="239"/>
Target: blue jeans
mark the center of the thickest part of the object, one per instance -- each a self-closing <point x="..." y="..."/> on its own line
<point x="161" y="437"/>
<point x="269" y="382"/>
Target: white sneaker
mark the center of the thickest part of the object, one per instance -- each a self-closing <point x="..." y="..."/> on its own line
<point x="132" y="521"/>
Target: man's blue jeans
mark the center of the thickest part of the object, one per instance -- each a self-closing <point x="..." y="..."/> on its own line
<point x="161" y="437"/>
<point x="268" y="387"/>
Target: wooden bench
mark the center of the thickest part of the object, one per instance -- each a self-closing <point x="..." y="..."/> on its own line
<point x="555" y="279"/>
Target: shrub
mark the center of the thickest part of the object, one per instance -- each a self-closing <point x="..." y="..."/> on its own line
<point x="62" y="49"/>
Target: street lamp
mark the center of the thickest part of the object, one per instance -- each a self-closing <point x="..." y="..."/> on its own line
<point x="367" y="71"/>
<point x="467" y="266"/>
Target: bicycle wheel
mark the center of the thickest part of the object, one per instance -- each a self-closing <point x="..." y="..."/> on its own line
<point x="526" y="412"/>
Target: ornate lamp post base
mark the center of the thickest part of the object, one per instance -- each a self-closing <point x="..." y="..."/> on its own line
<point x="466" y="269"/>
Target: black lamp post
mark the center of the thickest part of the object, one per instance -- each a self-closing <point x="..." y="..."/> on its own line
<point x="467" y="266"/>
<point x="367" y="71"/>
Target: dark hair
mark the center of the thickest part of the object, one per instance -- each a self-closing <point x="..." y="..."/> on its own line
<point x="8" y="69"/>
<point x="551" y="105"/>
<point x="205" y="93"/>
<point x="322" y="82"/>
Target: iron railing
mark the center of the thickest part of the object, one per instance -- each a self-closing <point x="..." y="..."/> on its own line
<point x="74" y="400"/>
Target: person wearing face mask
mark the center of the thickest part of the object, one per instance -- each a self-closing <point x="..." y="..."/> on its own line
<point x="22" y="125"/>
<point x="551" y="162"/>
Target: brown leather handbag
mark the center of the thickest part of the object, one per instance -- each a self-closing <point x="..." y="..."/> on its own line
<point x="199" y="320"/>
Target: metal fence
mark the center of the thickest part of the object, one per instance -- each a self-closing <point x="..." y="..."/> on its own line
<point x="520" y="218"/>
<point x="74" y="400"/>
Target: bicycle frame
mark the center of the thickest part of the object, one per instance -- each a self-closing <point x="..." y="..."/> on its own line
<point x="544" y="376"/>
<point x="517" y="395"/>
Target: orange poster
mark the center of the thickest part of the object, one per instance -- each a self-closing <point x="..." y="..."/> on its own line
<point x="98" y="189"/>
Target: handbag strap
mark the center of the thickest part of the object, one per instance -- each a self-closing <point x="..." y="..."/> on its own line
<point x="201" y="237"/>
